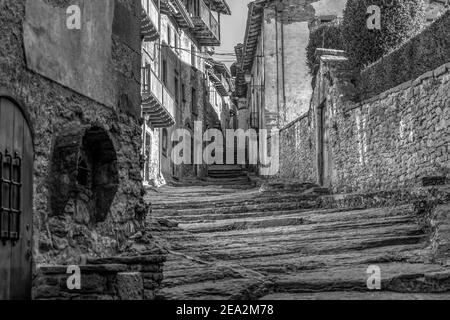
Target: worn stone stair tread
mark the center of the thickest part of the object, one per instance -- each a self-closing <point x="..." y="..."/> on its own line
<point x="239" y="208"/>
<point x="291" y="262"/>
<point x="294" y="219"/>
<point x="399" y="277"/>
<point x="352" y="295"/>
<point x="312" y="215"/>
<point x="229" y="289"/>
<point x="191" y="203"/>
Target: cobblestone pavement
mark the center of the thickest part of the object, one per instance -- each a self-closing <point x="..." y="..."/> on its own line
<point x="228" y="242"/>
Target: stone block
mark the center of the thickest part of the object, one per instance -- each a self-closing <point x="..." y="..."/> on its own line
<point x="130" y="286"/>
<point x="440" y="71"/>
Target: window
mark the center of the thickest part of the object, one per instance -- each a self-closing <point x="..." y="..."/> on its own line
<point x="177" y="94"/>
<point x="176" y="42"/>
<point x="164" y="142"/>
<point x="194" y="101"/>
<point x="183" y="93"/>
<point x="10" y="192"/>
<point x="193" y="56"/>
<point x="169" y="35"/>
<point x="164" y="72"/>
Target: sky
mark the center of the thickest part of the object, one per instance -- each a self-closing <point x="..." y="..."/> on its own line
<point x="233" y="28"/>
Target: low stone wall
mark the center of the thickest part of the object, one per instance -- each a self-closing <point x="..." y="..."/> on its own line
<point x="116" y="278"/>
<point x="297" y="151"/>
<point x="440" y="237"/>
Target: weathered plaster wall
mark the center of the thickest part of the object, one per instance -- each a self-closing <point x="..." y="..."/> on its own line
<point x="285" y="36"/>
<point x="78" y="59"/>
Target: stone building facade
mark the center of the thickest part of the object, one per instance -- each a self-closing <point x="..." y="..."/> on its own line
<point x="275" y="89"/>
<point x="79" y="90"/>
<point x="181" y="61"/>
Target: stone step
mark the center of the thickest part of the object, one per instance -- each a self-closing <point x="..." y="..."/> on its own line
<point x="201" y="218"/>
<point x="189" y="201"/>
<point x="310" y="215"/>
<point x="227" y="175"/>
<point x="355" y="295"/>
<point x="287" y="221"/>
<point x="395" y="277"/>
<point x="280" y="206"/>
<point x="234" y="289"/>
<point x="232" y="167"/>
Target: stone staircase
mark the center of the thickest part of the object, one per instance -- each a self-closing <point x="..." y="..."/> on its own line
<point x="228" y="175"/>
<point x="288" y="243"/>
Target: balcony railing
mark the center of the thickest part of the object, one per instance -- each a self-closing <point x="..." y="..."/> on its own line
<point x="207" y="29"/>
<point x="168" y="102"/>
<point x="152" y="85"/>
<point x="224" y="83"/>
<point x="220" y="83"/>
<point x="209" y="19"/>
<point x="152" y="13"/>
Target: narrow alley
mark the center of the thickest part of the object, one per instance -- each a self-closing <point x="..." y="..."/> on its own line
<point x="224" y="149"/>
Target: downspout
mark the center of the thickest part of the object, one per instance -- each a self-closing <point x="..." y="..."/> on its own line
<point x="283" y="68"/>
<point x="278" y="68"/>
<point x="159" y="74"/>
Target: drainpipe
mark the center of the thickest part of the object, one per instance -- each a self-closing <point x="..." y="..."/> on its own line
<point x="283" y="77"/>
<point x="278" y="68"/>
<point x="159" y="75"/>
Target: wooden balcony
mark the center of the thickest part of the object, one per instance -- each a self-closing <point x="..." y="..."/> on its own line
<point x="150" y="21"/>
<point x="157" y="103"/>
<point x="206" y="27"/>
<point x="220" y="83"/>
<point x="178" y="11"/>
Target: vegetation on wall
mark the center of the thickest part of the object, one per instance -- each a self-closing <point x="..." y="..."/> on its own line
<point x="400" y="20"/>
<point x="426" y="51"/>
<point x="326" y="36"/>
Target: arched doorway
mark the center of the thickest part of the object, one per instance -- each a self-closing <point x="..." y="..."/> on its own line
<point x="16" y="201"/>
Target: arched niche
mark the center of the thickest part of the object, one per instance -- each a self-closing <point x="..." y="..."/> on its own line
<point x="84" y="169"/>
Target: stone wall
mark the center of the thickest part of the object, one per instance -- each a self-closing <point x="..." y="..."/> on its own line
<point x="296" y="142"/>
<point x="394" y="139"/>
<point x="116" y="278"/>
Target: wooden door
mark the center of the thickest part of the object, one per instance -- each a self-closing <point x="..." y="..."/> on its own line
<point x="16" y="196"/>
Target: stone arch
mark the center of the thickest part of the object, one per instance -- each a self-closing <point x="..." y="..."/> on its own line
<point x="84" y="170"/>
